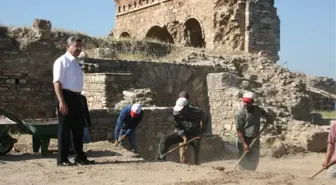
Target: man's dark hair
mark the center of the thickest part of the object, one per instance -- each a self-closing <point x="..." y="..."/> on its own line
<point x="73" y="39"/>
<point x="184" y="94"/>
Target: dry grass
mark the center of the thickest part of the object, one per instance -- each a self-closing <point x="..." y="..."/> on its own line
<point x="328" y="114"/>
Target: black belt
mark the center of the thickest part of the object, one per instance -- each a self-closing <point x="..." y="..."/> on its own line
<point x="72" y="92"/>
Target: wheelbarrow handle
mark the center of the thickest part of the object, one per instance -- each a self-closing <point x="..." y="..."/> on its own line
<point x="174" y="149"/>
<point x="18" y="122"/>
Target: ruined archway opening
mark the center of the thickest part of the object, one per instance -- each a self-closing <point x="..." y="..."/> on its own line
<point x="193" y="33"/>
<point x="125" y="35"/>
<point x="160" y="34"/>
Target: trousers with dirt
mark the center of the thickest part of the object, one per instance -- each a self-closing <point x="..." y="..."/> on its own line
<point x="251" y="159"/>
<point x="173" y="138"/>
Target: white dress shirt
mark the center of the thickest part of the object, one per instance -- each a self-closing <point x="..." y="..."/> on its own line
<point x="66" y="70"/>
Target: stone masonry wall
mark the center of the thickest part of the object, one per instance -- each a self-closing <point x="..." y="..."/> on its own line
<point x="170" y="15"/>
<point x="165" y="80"/>
<point x="26" y="77"/>
<point x="104" y="90"/>
<point x="157" y="121"/>
<point x="230" y="25"/>
<point x="262" y="28"/>
<point x="224" y="92"/>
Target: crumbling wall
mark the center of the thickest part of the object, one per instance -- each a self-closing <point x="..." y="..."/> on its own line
<point x="166" y="16"/>
<point x="164" y="79"/>
<point x="238" y="25"/>
<point x="26" y="59"/>
<point x="284" y="97"/>
<point x="229" y="23"/>
<point x="26" y="71"/>
<point x="262" y="28"/>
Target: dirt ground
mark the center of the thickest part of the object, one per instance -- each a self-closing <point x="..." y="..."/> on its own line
<point x="117" y="166"/>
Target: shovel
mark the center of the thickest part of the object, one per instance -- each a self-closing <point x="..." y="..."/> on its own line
<point x="174" y="149"/>
<point x="254" y="140"/>
<point x="321" y="170"/>
<point x="117" y="143"/>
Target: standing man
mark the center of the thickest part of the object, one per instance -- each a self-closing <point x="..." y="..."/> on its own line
<point x="129" y="118"/>
<point x="248" y="127"/>
<point x="68" y="82"/>
<point x="331" y="152"/>
<point x="189" y="122"/>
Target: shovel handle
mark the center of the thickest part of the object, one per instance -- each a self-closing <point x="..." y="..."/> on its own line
<point x="322" y="169"/>
<point x="174" y="149"/>
<point x="254" y="140"/>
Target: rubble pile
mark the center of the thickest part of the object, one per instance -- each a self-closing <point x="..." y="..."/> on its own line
<point x="141" y="96"/>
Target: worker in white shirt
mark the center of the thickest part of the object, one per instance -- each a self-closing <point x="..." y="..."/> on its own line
<point x="68" y="82"/>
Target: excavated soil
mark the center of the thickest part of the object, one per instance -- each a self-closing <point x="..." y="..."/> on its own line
<point x="117" y="166"/>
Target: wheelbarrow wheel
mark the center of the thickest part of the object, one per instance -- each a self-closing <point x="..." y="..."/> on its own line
<point x="6" y="144"/>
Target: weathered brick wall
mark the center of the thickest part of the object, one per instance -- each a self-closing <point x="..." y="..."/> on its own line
<point x="26" y="78"/>
<point x="157" y="122"/>
<point x="231" y="25"/>
<point x="263" y="28"/>
<point x="223" y="92"/>
<point x="172" y="14"/>
<point x="165" y="80"/>
<point x="104" y="90"/>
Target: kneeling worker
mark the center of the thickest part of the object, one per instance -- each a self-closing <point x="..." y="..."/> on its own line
<point x="129" y="118"/>
<point x="188" y="124"/>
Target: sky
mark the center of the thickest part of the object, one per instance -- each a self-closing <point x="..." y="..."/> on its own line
<point x="307" y="38"/>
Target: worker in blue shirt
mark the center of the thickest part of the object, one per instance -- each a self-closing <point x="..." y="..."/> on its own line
<point x="129" y="118"/>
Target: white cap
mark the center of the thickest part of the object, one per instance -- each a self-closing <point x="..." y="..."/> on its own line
<point x="136" y="108"/>
<point x="249" y="95"/>
<point x="180" y="103"/>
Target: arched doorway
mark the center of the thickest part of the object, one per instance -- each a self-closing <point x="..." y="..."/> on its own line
<point x="161" y="34"/>
<point x="124" y="35"/>
<point x="193" y="33"/>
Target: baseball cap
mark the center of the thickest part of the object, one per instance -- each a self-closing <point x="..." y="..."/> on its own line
<point x="184" y="94"/>
<point x="248" y="97"/>
<point x="180" y="103"/>
<point x="135" y="109"/>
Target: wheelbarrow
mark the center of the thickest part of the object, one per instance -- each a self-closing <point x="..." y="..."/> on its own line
<point x="42" y="130"/>
<point x="6" y="141"/>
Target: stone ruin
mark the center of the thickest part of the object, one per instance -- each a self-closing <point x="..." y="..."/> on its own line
<point x="237" y="25"/>
<point x="215" y="82"/>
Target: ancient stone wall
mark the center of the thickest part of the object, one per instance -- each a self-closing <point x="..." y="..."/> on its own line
<point x="166" y="20"/>
<point x="26" y="78"/>
<point x="104" y="90"/>
<point x="226" y="89"/>
<point x="165" y="80"/>
<point x="262" y="28"/>
<point x="220" y="24"/>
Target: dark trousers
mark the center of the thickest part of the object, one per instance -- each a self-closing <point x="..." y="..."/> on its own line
<point x="251" y="159"/>
<point x="71" y="124"/>
<point x="173" y="138"/>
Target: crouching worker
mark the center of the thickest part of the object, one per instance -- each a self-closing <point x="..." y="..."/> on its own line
<point x="188" y="125"/>
<point x="129" y="118"/>
<point x="248" y="128"/>
<point x="330" y="158"/>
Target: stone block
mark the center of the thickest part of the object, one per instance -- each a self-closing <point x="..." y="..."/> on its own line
<point x="42" y="24"/>
<point x="223" y="80"/>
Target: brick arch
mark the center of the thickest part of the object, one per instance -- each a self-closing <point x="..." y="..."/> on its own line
<point x="160" y="33"/>
<point x="124" y="34"/>
<point x="194" y="32"/>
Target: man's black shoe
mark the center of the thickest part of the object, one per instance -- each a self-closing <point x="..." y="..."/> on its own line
<point x="84" y="162"/>
<point x="65" y="163"/>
